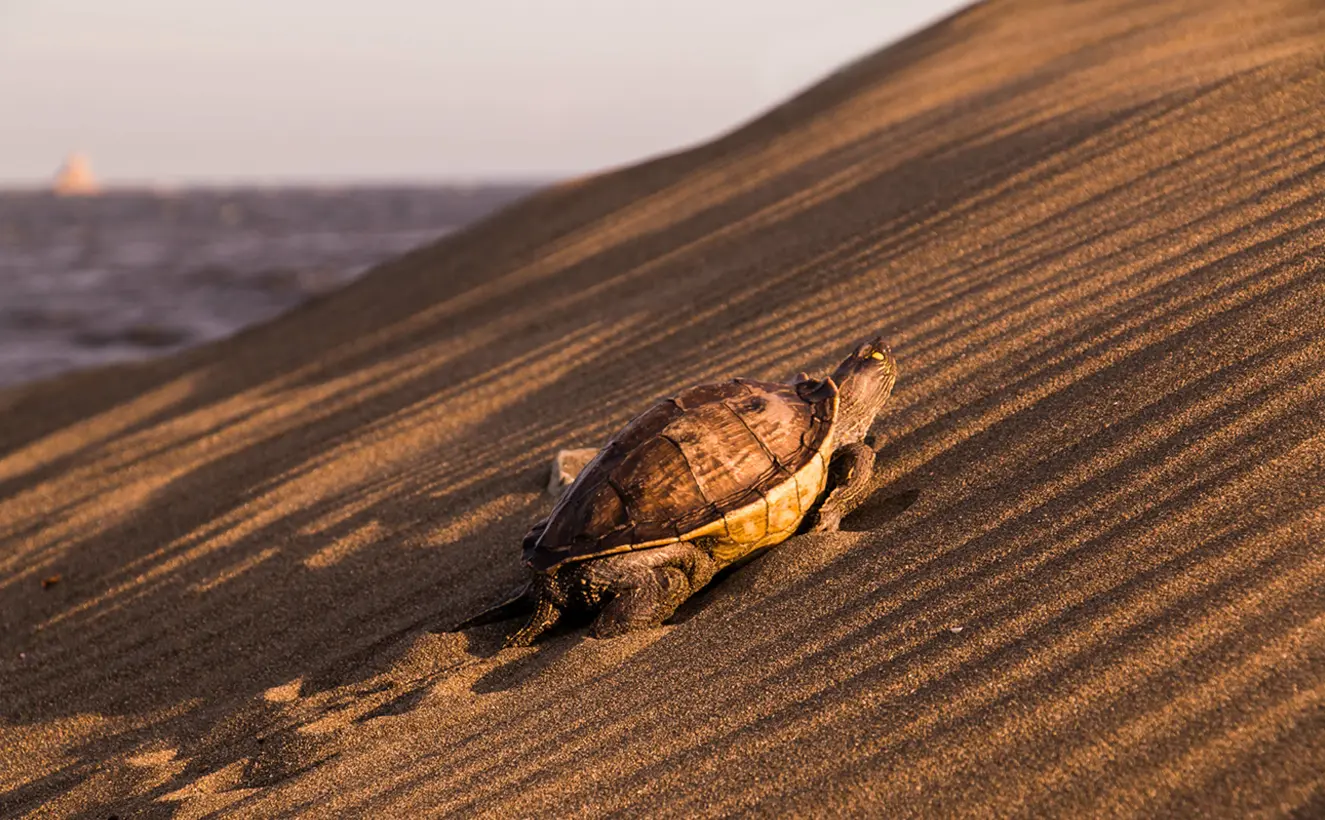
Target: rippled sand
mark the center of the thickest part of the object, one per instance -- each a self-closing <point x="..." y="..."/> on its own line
<point x="1090" y="579"/>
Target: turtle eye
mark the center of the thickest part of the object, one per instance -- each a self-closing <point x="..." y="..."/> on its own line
<point x="876" y="355"/>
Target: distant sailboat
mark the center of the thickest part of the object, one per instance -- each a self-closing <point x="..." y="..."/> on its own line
<point x="75" y="177"/>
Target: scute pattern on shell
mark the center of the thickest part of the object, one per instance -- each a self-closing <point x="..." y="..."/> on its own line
<point x="683" y="464"/>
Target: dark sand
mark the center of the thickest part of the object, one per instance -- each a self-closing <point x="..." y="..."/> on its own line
<point x="1091" y="579"/>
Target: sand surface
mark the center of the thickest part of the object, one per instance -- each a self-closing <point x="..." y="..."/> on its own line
<point x="1091" y="579"/>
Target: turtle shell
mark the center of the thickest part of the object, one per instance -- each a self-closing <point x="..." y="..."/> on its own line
<point x="739" y="462"/>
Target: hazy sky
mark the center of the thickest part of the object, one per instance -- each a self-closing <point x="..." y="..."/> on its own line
<point x="309" y="90"/>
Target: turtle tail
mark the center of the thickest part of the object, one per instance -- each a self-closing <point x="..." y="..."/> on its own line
<point x="519" y="604"/>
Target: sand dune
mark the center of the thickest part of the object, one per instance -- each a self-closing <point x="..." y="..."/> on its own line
<point x="1091" y="578"/>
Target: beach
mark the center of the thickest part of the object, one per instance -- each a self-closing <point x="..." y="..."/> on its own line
<point x="1088" y="582"/>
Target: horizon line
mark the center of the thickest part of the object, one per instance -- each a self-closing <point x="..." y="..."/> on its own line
<point x="204" y="183"/>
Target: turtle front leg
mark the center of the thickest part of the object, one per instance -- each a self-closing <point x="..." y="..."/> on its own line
<point x="849" y="477"/>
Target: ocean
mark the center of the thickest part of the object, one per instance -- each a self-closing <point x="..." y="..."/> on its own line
<point x="126" y="275"/>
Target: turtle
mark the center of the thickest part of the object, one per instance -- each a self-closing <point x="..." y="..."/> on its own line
<point x="697" y="482"/>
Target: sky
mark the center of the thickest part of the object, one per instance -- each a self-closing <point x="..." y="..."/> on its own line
<point x="268" y="91"/>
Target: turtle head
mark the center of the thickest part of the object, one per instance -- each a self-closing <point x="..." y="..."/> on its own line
<point x="864" y="382"/>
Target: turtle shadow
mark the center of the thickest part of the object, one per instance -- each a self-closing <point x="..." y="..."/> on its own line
<point x="526" y="665"/>
<point x="875" y="512"/>
<point x="405" y="702"/>
<point x="287" y="754"/>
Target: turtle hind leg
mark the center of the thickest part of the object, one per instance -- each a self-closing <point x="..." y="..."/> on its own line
<point x="642" y="603"/>
<point x="544" y="617"/>
<point x="515" y="606"/>
<point x="650" y="586"/>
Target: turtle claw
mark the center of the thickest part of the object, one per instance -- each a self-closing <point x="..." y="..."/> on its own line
<point x="544" y="617"/>
<point x="520" y="639"/>
<point x="816" y="390"/>
<point x="827" y="523"/>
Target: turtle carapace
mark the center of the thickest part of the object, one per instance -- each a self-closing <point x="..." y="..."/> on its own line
<point x="696" y="482"/>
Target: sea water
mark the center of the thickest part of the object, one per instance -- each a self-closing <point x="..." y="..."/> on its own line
<point x="127" y="275"/>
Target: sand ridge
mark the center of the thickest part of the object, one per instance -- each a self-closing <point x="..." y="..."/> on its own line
<point x="1090" y="579"/>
